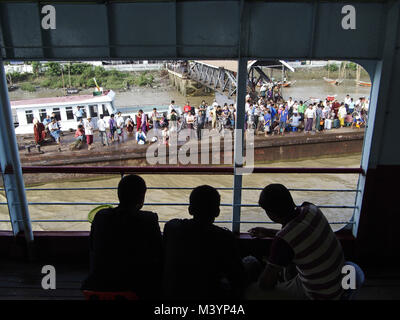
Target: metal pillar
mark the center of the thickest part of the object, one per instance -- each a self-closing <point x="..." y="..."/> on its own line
<point x="238" y="142"/>
<point x="9" y="157"/>
<point x="382" y="84"/>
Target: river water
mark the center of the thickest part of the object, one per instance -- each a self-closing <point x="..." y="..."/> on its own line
<point x="298" y="181"/>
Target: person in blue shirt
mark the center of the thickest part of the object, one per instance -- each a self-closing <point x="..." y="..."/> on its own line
<point x="283" y="119"/>
<point x="273" y="113"/>
<point x="351" y="106"/>
<point x="267" y="122"/>
<point x="79" y="114"/>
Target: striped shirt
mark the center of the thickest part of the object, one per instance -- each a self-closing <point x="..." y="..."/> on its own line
<point x="317" y="253"/>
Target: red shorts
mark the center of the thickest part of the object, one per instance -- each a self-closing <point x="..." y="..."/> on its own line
<point x="89" y="139"/>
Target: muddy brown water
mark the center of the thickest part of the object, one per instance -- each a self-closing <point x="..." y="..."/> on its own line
<point x="302" y="181"/>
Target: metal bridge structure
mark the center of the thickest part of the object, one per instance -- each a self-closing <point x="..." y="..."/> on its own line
<point x="365" y="32"/>
<point x="220" y="75"/>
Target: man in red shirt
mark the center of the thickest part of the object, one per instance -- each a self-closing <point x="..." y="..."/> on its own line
<point x="335" y="107"/>
<point x="187" y="108"/>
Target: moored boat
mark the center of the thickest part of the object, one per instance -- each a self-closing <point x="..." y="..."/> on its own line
<point x="64" y="109"/>
<point x="363" y="83"/>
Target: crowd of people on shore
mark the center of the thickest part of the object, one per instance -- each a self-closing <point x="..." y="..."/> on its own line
<point x="193" y="259"/>
<point x="267" y="114"/>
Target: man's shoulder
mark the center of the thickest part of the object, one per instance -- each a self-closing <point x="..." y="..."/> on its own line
<point x="176" y="223"/>
<point x="149" y="214"/>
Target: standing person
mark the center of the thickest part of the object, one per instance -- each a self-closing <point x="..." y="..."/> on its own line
<point x="301" y="109"/>
<point x="347" y="100"/>
<point x="38" y="131"/>
<point x="201" y="259"/>
<point x="171" y="107"/>
<point x="155" y="119"/>
<point x="335" y="107"/>
<point x="101" y="124"/>
<point x="120" y="126"/>
<point x="126" y="245"/>
<point x="190" y="123"/>
<point x="342" y="114"/>
<point x="187" y="108"/>
<point x="214" y="117"/>
<point x="263" y="89"/>
<point x="144" y="121"/>
<point x="79" y="114"/>
<point x="129" y="126"/>
<point x="139" y="120"/>
<point x="165" y="135"/>
<point x="290" y="104"/>
<point x="173" y="121"/>
<point x="306" y="242"/>
<point x="283" y="119"/>
<point x="201" y="119"/>
<point x="55" y="131"/>
<point x="267" y="122"/>
<point x="351" y="106"/>
<point x="308" y="117"/>
<point x="273" y="113"/>
<point x="112" y="124"/>
<point x="89" y="127"/>
<point x="318" y="114"/>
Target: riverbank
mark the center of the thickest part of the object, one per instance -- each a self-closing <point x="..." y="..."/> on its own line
<point x="291" y="147"/>
<point x="318" y="73"/>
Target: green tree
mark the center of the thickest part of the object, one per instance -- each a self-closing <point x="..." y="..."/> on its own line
<point x="36" y="66"/>
<point x="53" y="69"/>
<point x="332" y="67"/>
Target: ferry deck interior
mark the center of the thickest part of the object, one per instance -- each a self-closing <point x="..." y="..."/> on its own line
<point x="235" y="30"/>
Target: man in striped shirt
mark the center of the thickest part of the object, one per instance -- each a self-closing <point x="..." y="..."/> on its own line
<point x="306" y="241"/>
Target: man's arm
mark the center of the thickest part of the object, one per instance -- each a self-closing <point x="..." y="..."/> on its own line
<point x="269" y="277"/>
<point x="261" y="232"/>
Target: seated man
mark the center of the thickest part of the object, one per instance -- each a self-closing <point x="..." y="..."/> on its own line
<point x="295" y="120"/>
<point x="79" y="134"/>
<point x="306" y="241"/>
<point x="201" y="261"/>
<point x="140" y="136"/>
<point x="126" y="245"/>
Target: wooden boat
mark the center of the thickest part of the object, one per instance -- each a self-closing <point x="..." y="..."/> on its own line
<point x="363" y="83"/>
<point x="358" y="81"/>
<point x="332" y="81"/>
<point x="287" y="83"/>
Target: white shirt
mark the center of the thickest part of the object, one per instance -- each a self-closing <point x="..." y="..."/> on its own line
<point x="127" y="121"/>
<point x="342" y="111"/>
<point x="141" y="134"/>
<point x="309" y="113"/>
<point x="347" y="100"/>
<point x="101" y="124"/>
<point x="88" y="125"/>
<point x="120" y="121"/>
<point x="295" y="121"/>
